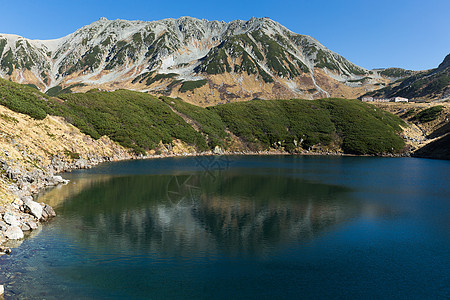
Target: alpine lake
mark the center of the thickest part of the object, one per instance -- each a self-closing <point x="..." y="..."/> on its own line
<point x="242" y="227"/>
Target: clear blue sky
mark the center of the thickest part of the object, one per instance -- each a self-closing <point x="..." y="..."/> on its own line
<point x="411" y="34"/>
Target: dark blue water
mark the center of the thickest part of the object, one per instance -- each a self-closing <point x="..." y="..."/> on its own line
<point x="247" y="227"/>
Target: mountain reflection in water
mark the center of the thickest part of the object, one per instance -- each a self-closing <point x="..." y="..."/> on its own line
<point x="190" y="215"/>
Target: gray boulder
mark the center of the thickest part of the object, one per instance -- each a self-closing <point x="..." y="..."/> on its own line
<point x="32" y="207"/>
<point x="14" y="233"/>
<point x="48" y="212"/>
<point x="33" y="225"/>
<point x="55" y="180"/>
<point x="25" y="227"/>
<point x="10" y="219"/>
<point x="3" y="225"/>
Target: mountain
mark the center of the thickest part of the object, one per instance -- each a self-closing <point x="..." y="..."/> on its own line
<point x="432" y="84"/>
<point x="204" y="62"/>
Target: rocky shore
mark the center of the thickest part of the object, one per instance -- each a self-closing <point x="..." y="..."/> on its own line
<point x="24" y="214"/>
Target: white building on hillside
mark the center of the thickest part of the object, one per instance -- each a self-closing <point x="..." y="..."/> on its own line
<point x="400" y="99"/>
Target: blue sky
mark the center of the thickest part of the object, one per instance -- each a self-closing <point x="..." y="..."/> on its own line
<point x="410" y="34"/>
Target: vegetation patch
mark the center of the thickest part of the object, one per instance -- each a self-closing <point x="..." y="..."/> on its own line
<point x="135" y="120"/>
<point x="32" y="86"/>
<point x="209" y="123"/>
<point x="9" y="118"/>
<point x="396" y="72"/>
<point x="429" y="114"/>
<point x="160" y="77"/>
<point x="216" y="62"/>
<point x="288" y="123"/>
<point x="142" y="77"/>
<point x="192" y="85"/>
<point x="72" y="155"/>
<point x="58" y="90"/>
<point x="23" y="99"/>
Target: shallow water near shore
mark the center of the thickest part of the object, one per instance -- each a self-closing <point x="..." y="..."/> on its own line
<point x="249" y="227"/>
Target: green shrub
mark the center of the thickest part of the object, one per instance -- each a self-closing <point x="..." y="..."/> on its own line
<point x="23" y="99"/>
<point x="429" y="114"/>
<point x="192" y="85"/>
<point x="135" y="120"/>
<point x="208" y="122"/>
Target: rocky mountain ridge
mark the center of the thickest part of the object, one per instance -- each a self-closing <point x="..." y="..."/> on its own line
<point x="431" y="84"/>
<point x="208" y="61"/>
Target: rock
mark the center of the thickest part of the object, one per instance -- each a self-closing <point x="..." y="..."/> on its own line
<point x="44" y="215"/>
<point x="26" y="199"/>
<point x="12" y="173"/>
<point x="5" y="250"/>
<point x="33" y="208"/>
<point x="3" y="226"/>
<point x="218" y="150"/>
<point x="14" y="233"/>
<point x="49" y="211"/>
<point x="81" y="163"/>
<point x="18" y="202"/>
<point x="33" y="225"/>
<point x="55" y="180"/>
<point x="10" y="219"/>
<point x="25" y="227"/>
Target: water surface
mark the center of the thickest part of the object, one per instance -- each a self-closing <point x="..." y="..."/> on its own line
<point x="248" y="227"/>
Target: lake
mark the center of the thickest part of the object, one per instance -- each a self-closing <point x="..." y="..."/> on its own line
<point x="242" y="227"/>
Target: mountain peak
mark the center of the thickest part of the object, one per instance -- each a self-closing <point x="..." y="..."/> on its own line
<point x="445" y="63"/>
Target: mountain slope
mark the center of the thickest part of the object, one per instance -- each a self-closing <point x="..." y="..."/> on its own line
<point x="146" y="123"/>
<point x="235" y="60"/>
<point x="424" y="85"/>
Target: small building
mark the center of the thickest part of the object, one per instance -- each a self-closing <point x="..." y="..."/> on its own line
<point x="400" y="99"/>
<point x="367" y="99"/>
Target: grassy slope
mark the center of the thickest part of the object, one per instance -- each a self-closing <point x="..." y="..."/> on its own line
<point x="141" y="121"/>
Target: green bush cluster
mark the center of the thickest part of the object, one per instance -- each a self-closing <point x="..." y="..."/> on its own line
<point x="264" y="124"/>
<point x="429" y="114"/>
<point x="395" y="72"/>
<point x="58" y="90"/>
<point x="364" y="128"/>
<point x="209" y="123"/>
<point x="135" y="120"/>
<point x="23" y="99"/>
<point x="192" y="85"/>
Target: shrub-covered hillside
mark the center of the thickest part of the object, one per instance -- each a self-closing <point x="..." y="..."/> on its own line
<point x="356" y="127"/>
<point x="141" y="121"/>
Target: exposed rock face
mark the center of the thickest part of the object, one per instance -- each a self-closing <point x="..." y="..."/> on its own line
<point x="239" y="59"/>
